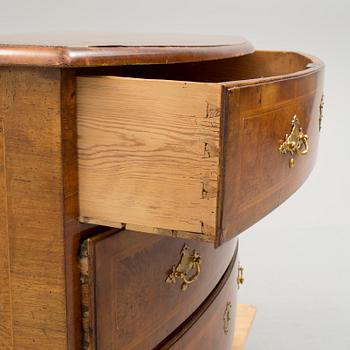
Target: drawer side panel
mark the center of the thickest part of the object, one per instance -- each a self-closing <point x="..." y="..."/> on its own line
<point x="148" y="153"/>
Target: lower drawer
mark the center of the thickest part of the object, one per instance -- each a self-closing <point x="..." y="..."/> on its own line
<point x="212" y="326"/>
<point x="133" y="292"/>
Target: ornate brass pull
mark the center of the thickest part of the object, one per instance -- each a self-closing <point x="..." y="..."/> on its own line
<point x="187" y="263"/>
<point x="296" y="142"/>
<point x="240" y="277"/>
<point x="227" y="317"/>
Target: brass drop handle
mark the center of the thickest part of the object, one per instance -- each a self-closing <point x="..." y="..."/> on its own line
<point x="187" y="270"/>
<point x="296" y="142"/>
<point x="240" y="277"/>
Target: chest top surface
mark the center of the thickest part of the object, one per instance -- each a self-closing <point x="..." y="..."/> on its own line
<point x="110" y="49"/>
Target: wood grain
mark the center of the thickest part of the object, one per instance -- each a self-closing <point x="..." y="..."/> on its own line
<point x="113" y="49"/>
<point x="127" y="303"/>
<point x="148" y="152"/>
<point x="39" y="227"/>
<point x="31" y="113"/>
<point x="5" y="290"/>
<point x="245" y="315"/>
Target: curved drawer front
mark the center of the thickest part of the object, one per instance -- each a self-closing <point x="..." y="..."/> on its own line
<point x="129" y="300"/>
<point x="212" y="327"/>
<point x="200" y="157"/>
<point x="270" y="148"/>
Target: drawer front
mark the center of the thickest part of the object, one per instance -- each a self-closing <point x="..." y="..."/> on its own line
<point x="212" y="327"/>
<point x="261" y="171"/>
<point x="129" y="300"/>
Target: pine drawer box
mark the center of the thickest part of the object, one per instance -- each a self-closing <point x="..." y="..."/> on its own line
<point x="195" y="149"/>
<point x="129" y="164"/>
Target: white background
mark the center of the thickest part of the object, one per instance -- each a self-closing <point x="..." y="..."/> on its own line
<point x="297" y="259"/>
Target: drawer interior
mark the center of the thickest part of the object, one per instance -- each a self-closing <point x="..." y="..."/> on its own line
<point x="260" y="64"/>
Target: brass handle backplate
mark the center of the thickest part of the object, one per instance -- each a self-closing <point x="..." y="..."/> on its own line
<point x="240" y="277"/>
<point x="227" y="317"/>
<point x="296" y="142"/>
<point x="182" y="270"/>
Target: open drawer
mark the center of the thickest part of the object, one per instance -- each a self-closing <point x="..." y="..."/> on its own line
<point x="201" y="150"/>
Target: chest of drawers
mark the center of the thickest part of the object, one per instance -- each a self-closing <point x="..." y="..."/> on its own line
<point x="129" y="165"/>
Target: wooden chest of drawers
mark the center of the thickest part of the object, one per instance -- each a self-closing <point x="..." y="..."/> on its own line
<point x="127" y="170"/>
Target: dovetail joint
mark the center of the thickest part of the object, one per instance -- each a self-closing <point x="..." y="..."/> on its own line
<point x="205" y="193"/>
<point x="202" y="227"/>
<point x="206" y="150"/>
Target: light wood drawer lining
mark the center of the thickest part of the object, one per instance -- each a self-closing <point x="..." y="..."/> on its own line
<point x="148" y="152"/>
